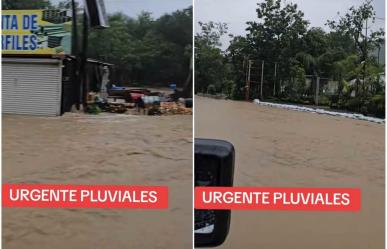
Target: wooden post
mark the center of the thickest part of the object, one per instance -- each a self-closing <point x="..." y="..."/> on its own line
<point x="247" y="97"/>
<point x="317" y="90"/>
<point x="275" y="77"/>
<point x="263" y="66"/>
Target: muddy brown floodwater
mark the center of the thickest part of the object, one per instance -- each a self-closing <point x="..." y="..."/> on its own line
<point x="102" y="149"/>
<point x="282" y="148"/>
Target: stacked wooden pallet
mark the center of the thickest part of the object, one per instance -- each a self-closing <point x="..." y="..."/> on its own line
<point x="173" y="108"/>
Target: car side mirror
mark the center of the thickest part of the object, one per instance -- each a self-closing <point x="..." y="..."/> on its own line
<point x="214" y="166"/>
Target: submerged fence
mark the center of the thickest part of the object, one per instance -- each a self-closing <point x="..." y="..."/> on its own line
<point x="267" y="79"/>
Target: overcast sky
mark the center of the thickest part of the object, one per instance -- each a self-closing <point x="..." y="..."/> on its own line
<point x="157" y="7"/>
<point x="236" y="13"/>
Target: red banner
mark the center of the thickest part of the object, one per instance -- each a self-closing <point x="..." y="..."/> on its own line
<point x="84" y="196"/>
<point x="253" y="198"/>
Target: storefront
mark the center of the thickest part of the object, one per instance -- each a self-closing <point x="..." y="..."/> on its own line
<point x="44" y="57"/>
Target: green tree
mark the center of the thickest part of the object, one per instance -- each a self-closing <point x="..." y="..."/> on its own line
<point x="276" y="37"/>
<point x="237" y="54"/>
<point x="355" y="24"/>
<point x="146" y="50"/>
<point x="210" y="65"/>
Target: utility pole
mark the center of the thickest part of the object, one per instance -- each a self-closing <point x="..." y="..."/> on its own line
<point x="275" y="77"/>
<point x="75" y="51"/>
<point x="83" y="56"/>
<point x="263" y="66"/>
<point x="247" y="97"/>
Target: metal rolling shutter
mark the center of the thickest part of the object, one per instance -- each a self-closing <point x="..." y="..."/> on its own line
<point x="31" y="86"/>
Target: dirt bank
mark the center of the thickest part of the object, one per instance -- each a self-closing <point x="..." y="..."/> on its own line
<point x="283" y="148"/>
<point x="103" y="149"/>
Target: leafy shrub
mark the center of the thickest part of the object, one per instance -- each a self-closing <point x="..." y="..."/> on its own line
<point x="376" y="106"/>
<point x="353" y="104"/>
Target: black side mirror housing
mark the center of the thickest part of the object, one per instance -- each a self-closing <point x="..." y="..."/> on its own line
<point x="214" y="166"/>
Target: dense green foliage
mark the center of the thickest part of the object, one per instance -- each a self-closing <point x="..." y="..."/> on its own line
<point x="144" y="49"/>
<point x="210" y="71"/>
<point x="293" y="56"/>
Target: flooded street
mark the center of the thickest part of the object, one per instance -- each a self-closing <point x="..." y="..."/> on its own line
<point x="283" y="148"/>
<point x="102" y="149"/>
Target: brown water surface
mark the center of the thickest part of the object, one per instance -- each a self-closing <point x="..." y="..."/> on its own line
<point x="102" y="149"/>
<point x="282" y="148"/>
